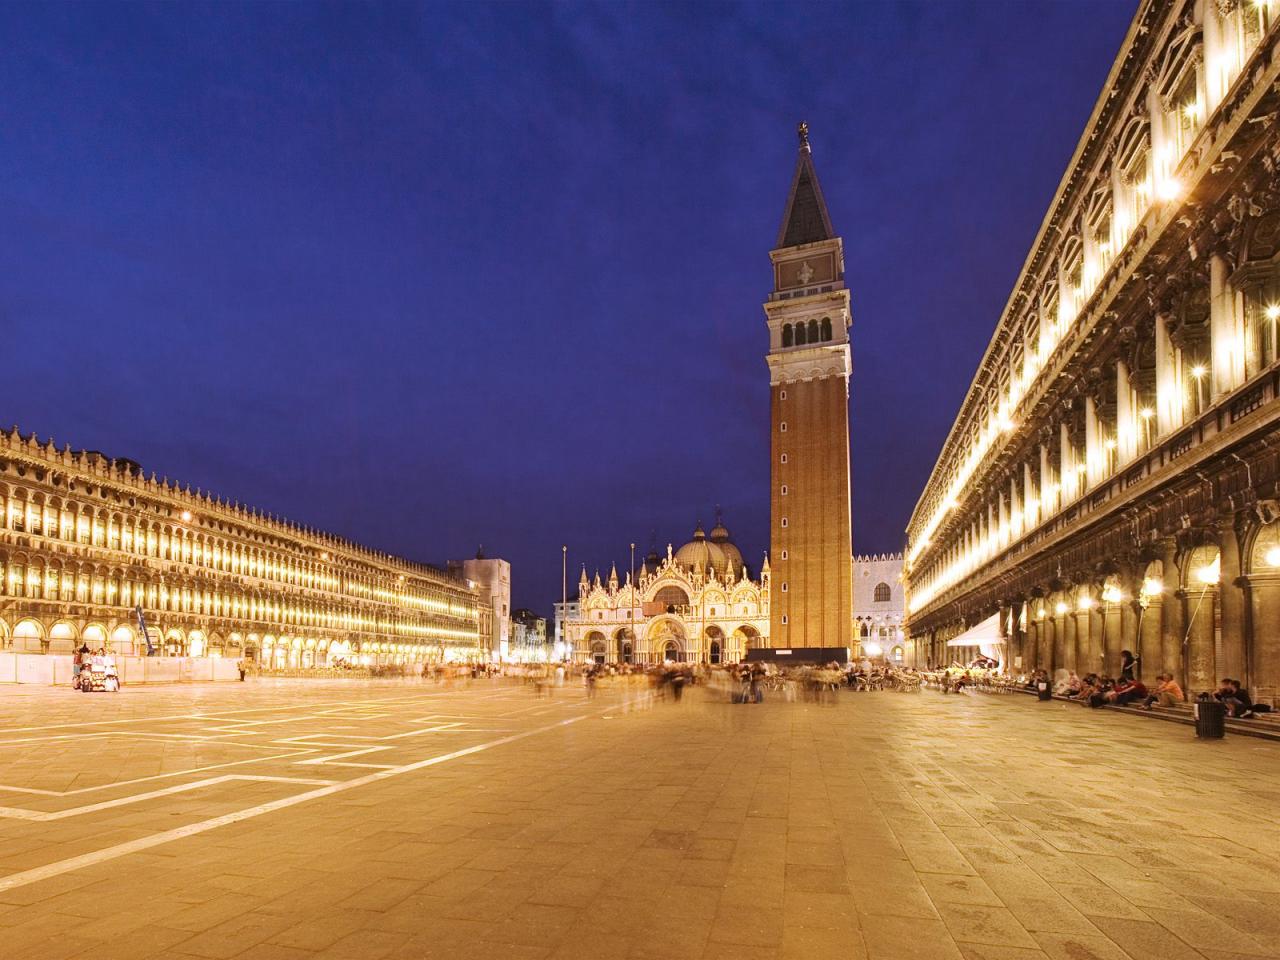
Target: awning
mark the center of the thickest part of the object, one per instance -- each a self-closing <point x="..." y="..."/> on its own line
<point x="984" y="634"/>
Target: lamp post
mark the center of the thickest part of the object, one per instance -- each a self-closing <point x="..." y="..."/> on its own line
<point x="631" y="606"/>
<point x="564" y="601"/>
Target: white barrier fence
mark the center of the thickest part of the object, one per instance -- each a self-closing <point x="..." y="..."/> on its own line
<point x="51" y="670"/>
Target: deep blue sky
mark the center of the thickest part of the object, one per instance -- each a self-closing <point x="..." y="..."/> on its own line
<point x="429" y="276"/>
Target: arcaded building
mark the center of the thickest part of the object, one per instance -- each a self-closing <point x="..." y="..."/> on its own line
<point x="91" y="549"/>
<point x="1110" y="481"/>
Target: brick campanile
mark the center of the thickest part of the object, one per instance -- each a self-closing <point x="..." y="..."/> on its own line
<point x="811" y="595"/>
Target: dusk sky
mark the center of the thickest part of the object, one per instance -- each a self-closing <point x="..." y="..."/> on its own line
<point x="434" y="276"/>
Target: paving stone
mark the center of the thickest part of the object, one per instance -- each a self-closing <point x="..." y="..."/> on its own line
<point x="888" y="826"/>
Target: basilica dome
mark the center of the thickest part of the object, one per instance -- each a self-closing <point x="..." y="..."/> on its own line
<point x="718" y="552"/>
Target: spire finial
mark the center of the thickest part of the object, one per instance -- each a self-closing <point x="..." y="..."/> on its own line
<point x="802" y="131"/>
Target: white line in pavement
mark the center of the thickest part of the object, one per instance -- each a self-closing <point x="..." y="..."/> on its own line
<point x="160" y="776"/>
<point x="18" y="813"/>
<point x="71" y="864"/>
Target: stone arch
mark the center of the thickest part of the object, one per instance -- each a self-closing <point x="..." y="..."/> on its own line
<point x="123" y="638"/>
<point x="29" y="628"/>
<point x="671" y="596"/>
<point x="624" y="645"/>
<point x="666" y="636"/>
<point x="1202" y="568"/>
<point x="597" y="649"/>
<point x="95" y="635"/>
<point x="1264" y="549"/>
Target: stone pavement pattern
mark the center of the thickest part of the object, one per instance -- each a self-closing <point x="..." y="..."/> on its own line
<point x="886" y="826"/>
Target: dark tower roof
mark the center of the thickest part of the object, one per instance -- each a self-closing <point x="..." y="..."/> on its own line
<point x="805" y="219"/>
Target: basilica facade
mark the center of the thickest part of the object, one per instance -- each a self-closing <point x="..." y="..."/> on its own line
<point x="1112" y="480"/>
<point x="697" y="604"/>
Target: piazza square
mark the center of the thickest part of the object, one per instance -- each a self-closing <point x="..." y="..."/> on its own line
<point x="345" y="819"/>
<point x="499" y="480"/>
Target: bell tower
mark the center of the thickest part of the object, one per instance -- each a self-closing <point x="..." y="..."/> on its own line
<point x="811" y="595"/>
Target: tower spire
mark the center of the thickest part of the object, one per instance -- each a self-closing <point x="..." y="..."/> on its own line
<point x="805" y="219"/>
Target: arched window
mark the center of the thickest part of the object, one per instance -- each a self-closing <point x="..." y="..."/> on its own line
<point x="786" y="335"/>
<point x="813" y="331"/>
<point x="882" y="593"/>
<point x="799" y="334"/>
<point x="826" y="329"/>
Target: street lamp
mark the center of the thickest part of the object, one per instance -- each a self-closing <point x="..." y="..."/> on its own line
<point x="564" y="599"/>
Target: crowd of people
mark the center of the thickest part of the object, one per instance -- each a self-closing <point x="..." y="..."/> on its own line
<point x="1129" y="689"/>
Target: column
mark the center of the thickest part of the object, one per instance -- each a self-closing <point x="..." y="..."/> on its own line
<point x="1264" y="666"/>
<point x="1047" y="629"/>
<point x="1068" y="479"/>
<point x="1148" y="629"/>
<point x="1063" y="639"/>
<point x="1200" y="599"/>
<point x="1227" y="345"/>
<point x="1129" y="638"/>
<point x="1097" y="637"/>
<point x="1230" y="595"/>
<point x="1048" y="500"/>
<point x="1112" y="642"/>
<point x="1172" y="620"/>
<point x="1095" y="461"/>
<point x="1168" y="395"/>
<point x="1127" y="421"/>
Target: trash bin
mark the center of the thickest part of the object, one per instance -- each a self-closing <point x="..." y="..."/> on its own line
<point x="1043" y="691"/>
<point x="1211" y="718"/>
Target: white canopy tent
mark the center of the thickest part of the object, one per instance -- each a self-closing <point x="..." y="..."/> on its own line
<point x="986" y="637"/>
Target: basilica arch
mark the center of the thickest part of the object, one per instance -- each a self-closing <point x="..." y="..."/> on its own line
<point x="666" y="640"/>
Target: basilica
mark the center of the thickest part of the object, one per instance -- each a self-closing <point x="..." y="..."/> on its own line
<point x="698" y="603"/>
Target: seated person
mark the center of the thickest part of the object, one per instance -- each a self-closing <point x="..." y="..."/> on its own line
<point x="1239" y="703"/>
<point x="1068" y="686"/>
<point x="1126" y="691"/>
<point x="1167" y="692"/>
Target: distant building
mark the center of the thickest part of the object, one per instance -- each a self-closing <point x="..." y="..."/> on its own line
<point x="91" y="548"/>
<point x="697" y="604"/>
<point x="879" y="605"/>
<point x="563" y="612"/>
<point x="492" y="580"/>
<point x="528" y="636"/>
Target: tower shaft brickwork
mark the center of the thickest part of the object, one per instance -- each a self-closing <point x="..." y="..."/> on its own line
<point x="809" y="367"/>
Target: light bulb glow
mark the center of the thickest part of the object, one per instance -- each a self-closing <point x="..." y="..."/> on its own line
<point x="1210" y="572"/>
<point x="1273" y="311"/>
<point x="1152" y="587"/>
<point x="1086" y="603"/>
<point x="1197" y="371"/>
<point x="1060" y="608"/>
<point x="1273" y="557"/>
